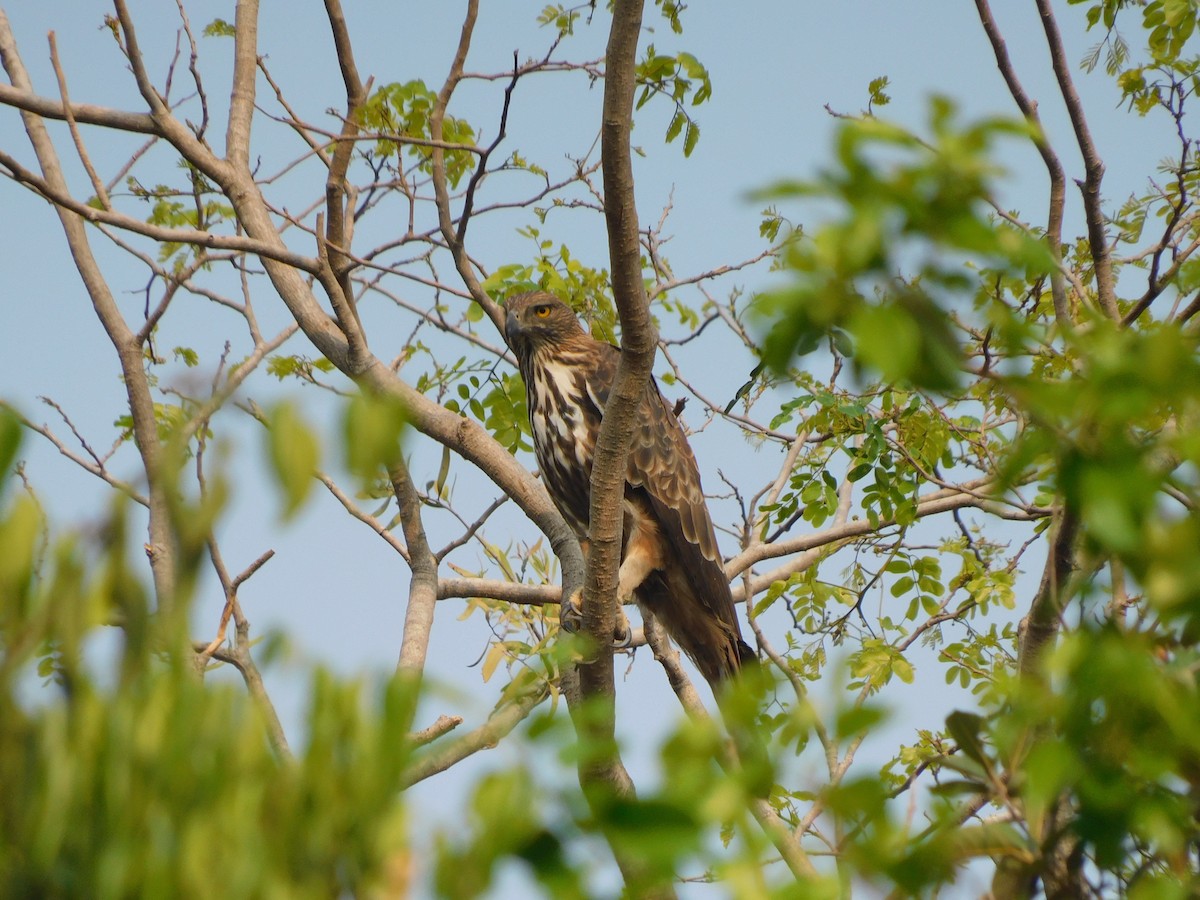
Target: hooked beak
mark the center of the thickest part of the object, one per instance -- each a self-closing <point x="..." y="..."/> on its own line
<point x="512" y="328"/>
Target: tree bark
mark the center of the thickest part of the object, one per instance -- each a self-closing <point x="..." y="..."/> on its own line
<point x="604" y="771"/>
<point x="161" y="545"/>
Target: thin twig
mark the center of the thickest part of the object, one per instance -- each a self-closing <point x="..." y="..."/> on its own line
<point x="73" y="126"/>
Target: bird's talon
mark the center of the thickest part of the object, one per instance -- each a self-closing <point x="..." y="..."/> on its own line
<point x="622" y="633"/>
<point x="571" y="614"/>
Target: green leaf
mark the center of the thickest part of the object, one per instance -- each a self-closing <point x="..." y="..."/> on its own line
<point x="876" y="91"/>
<point x="676" y="126"/>
<point x="966" y="729"/>
<point x="10" y="442"/>
<point x="859" y="472"/>
<point x="373" y="426"/>
<point x="774" y="592"/>
<point x="187" y="356"/>
<point x="876" y="662"/>
<point x="857" y="720"/>
<point x="294" y="455"/>
<point x="219" y="28"/>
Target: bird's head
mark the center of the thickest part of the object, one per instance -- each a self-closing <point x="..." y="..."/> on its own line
<point x="538" y="319"/>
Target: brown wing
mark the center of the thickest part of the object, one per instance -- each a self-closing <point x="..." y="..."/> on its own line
<point x="690" y="594"/>
<point x="662" y="463"/>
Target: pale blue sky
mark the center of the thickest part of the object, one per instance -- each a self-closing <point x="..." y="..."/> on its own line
<point x="336" y="589"/>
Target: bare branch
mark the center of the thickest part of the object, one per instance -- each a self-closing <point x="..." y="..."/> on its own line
<point x="231" y="588"/>
<point x="443" y="725"/>
<point x="241" y="661"/>
<point x="638" y="345"/>
<point x="668" y="657"/>
<point x="1092" y="165"/>
<point x="236" y="378"/>
<point x="440" y="186"/>
<point x="1041" y="624"/>
<point x="508" y="591"/>
<point x="504" y="718"/>
<point x="97" y="184"/>
<point x="161" y="546"/>
<point x="59" y="195"/>
<point x="972" y="493"/>
<point x="673" y="283"/>
<point x="95" y="465"/>
<point x="1054" y="169"/>
<point x="464" y="218"/>
<point x="423" y="585"/>
<point x="338" y="197"/>
<point x="239" y="655"/>
<point x="371" y="521"/>
<point x="136" y="63"/>
<point x="245" y="68"/>
<point x="471" y="529"/>
<point x="292" y="119"/>
<point x="87" y="113"/>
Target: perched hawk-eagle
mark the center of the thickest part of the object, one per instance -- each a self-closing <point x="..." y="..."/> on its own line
<point x="669" y="560"/>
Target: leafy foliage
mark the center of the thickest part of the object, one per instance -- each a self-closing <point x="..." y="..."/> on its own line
<point x="963" y="361"/>
<point x="676" y="78"/>
<point x="137" y="776"/>
<point x="927" y="205"/>
<point x="400" y="111"/>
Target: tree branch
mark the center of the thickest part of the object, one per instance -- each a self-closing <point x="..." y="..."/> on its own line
<point x="97" y="184"/>
<point x="423" y="585"/>
<point x="60" y="196"/>
<point x="1041" y="624"/>
<point x="638" y="345"/>
<point x="508" y="591"/>
<point x="161" y="546"/>
<point x="242" y="92"/>
<point x="87" y="113"/>
<point x="1093" y="167"/>
<point x="338" y="195"/>
<point x="441" y="189"/>
<point x="443" y="725"/>
<point x="504" y="718"/>
<point x="768" y="819"/>
<point x="969" y="494"/>
<point x="1054" y="224"/>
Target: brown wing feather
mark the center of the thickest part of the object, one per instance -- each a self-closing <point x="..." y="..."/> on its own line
<point x="690" y="595"/>
<point x="661" y="461"/>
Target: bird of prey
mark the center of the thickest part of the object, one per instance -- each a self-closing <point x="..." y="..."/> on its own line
<point x="670" y="563"/>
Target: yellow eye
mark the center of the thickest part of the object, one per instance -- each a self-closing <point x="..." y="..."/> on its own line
<point x="541" y="311"/>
